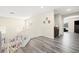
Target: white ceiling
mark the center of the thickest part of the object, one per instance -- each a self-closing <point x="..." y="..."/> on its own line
<point x="63" y="10"/>
<point x="27" y="11"/>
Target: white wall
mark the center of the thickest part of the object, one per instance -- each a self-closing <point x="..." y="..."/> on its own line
<point x="38" y="28"/>
<point x="59" y="21"/>
<point x="56" y="21"/>
<point x="35" y="29"/>
<point x="71" y="25"/>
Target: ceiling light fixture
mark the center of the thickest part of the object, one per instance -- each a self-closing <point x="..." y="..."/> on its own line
<point x="42" y="6"/>
<point x="12" y="12"/>
<point x="68" y="9"/>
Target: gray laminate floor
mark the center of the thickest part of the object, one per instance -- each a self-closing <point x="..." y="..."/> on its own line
<point x="68" y="43"/>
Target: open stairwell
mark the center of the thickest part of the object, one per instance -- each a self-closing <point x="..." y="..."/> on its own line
<point x="20" y="40"/>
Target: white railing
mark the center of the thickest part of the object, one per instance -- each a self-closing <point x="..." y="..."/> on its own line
<point x="20" y="40"/>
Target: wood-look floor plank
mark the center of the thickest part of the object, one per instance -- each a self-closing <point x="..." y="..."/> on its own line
<point x="68" y="43"/>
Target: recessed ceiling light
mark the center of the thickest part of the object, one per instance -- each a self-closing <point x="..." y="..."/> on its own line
<point x="42" y="6"/>
<point x="12" y="12"/>
<point x="68" y="9"/>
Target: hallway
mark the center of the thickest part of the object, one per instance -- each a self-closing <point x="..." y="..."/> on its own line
<point x="69" y="43"/>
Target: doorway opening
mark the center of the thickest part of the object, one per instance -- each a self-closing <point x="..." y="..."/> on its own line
<point x="76" y="26"/>
<point x="65" y="25"/>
